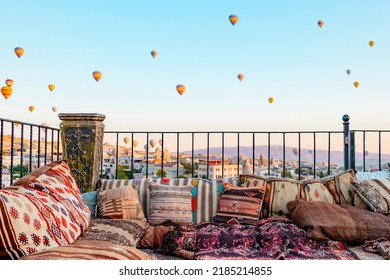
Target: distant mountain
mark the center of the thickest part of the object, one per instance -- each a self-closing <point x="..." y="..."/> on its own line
<point x="276" y="151"/>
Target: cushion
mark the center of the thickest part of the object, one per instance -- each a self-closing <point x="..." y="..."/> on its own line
<point x="242" y="204"/>
<point x="170" y="203"/>
<point x="360" y="176"/>
<point x="359" y="202"/>
<point x="90" y="199"/>
<point x="154" y="236"/>
<point x="375" y="193"/>
<point x="252" y="181"/>
<point x="343" y="183"/>
<point x="120" y="203"/>
<point x="90" y="250"/>
<point x="279" y="192"/>
<point x="118" y="231"/>
<point x="344" y="222"/>
<point x="315" y="190"/>
<point x="44" y="209"/>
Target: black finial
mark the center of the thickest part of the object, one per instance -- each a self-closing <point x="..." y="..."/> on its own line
<point x="346" y="118"/>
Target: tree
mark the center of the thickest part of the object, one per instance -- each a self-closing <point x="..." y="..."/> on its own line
<point x="161" y="173"/>
<point x="16" y="169"/>
<point x="287" y="174"/>
<point x="124" y="172"/>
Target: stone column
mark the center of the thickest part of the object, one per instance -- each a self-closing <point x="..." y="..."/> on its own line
<point x="82" y="145"/>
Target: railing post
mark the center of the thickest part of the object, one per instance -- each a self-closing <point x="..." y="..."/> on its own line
<point x="352" y="149"/>
<point x="346" y="141"/>
<point x="82" y="144"/>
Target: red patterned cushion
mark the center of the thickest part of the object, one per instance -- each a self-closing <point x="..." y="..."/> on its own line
<point x="41" y="210"/>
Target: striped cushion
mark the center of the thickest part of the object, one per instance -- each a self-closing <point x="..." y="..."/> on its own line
<point x="376" y="193"/>
<point x="170" y="203"/>
<point x="242" y="204"/>
<point x="120" y="203"/>
<point x="205" y="200"/>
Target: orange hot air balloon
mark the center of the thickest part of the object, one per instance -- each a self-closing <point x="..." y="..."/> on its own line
<point x="241" y="77"/>
<point x="54" y="108"/>
<point x="356" y="84"/>
<point x="9" y="82"/>
<point x="135" y="143"/>
<point x="31" y="108"/>
<point x="19" y="51"/>
<point x="6" y="91"/>
<point x="51" y="87"/>
<point x="126" y="140"/>
<point x="321" y="23"/>
<point x="233" y="19"/>
<point x="271" y="100"/>
<point x="180" y="89"/>
<point x="97" y="75"/>
<point x="154" y="53"/>
<point x="371" y="43"/>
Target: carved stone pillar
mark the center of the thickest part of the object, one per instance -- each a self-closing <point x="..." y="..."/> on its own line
<point x="82" y="144"/>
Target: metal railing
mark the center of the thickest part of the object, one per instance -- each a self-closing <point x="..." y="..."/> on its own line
<point x="25" y="147"/>
<point x="297" y="154"/>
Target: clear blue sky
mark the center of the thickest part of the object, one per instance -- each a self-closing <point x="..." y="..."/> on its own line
<point x="276" y="44"/>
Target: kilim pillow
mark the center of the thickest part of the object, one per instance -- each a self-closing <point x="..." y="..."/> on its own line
<point x="343" y="184"/>
<point x="170" y="203"/>
<point x="375" y="193"/>
<point x="315" y="190"/>
<point x="120" y="203"/>
<point x="242" y="204"/>
<point x="279" y="192"/>
<point x="42" y="210"/>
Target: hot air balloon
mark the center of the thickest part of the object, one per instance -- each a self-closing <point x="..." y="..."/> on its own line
<point x="154" y="53"/>
<point x="51" y="87"/>
<point x="152" y="142"/>
<point x="295" y="151"/>
<point x="31" y="108"/>
<point x="356" y="84"/>
<point x="146" y="147"/>
<point x="233" y="19"/>
<point x="97" y="75"/>
<point x="310" y="152"/>
<point x="9" y="82"/>
<point x="371" y="43"/>
<point x="126" y="140"/>
<point x="6" y="91"/>
<point x="135" y="143"/>
<point x="44" y="128"/>
<point x="349" y="71"/>
<point x="180" y="89"/>
<point x="19" y="51"/>
<point x="160" y="142"/>
<point x="321" y="23"/>
<point x="240" y="76"/>
<point x="366" y="153"/>
<point x="17" y="124"/>
<point x="271" y="100"/>
<point x="54" y="108"/>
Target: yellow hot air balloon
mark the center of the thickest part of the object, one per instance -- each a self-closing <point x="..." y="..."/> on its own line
<point x="233" y="19"/>
<point x="54" y="108"/>
<point x="31" y="108"/>
<point x="153" y="53"/>
<point x="51" y="87"/>
<point x="321" y="23"/>
<point x="97" y="75"/>
<point x="19" y="51"/>
<point x="9" y="82"/>
<point x="180" y="89"/>
<point x="241" y="77"/>
<point x="371" y="43"/>
<point x="126" y="140"/>
<point x="271" y="100"/>
<point x="135" y="143"/>
<point x="6" y="91"/>
<point x="356" y="84"/>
